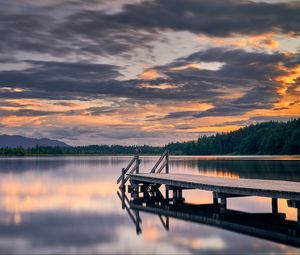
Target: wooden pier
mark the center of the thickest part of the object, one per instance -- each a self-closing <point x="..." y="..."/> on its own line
<point x="222" y="188"/>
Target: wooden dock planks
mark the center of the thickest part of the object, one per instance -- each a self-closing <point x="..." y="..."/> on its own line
<point x="249" y="187"/>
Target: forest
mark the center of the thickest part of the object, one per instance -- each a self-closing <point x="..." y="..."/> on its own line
<point x="268" y="138"/>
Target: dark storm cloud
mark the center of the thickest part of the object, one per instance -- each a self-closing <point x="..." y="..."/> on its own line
<point x="75" y="27"/>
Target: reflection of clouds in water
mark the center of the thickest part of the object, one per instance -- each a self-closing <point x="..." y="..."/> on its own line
<point x="29" y="195"/>
<point x="73" y="206"/>
<point x="52" y="231"/>
<point x="194" y="238"/>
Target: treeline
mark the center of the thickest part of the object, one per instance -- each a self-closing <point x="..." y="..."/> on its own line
<point x="81" y="150"/>
<point x="268" y="138"/>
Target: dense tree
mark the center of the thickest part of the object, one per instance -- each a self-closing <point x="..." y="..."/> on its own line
<point x="268" y="138"/>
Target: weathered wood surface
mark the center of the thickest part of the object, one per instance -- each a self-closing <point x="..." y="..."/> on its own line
<point x="251" y="187"/>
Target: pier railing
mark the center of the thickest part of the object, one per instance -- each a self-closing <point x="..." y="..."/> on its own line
<point x="133" y="166"/>
<point x="162" y="163"/>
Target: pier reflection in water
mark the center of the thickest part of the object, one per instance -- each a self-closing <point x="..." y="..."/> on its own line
<point x="273" y="226"/>
<point x="68" y="205"/>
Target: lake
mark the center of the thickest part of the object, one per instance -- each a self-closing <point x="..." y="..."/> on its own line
<point x="70" y="205"/>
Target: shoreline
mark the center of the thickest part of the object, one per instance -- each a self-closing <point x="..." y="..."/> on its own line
<point x="203" y="157"/>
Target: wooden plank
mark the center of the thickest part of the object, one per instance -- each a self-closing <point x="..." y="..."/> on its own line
<point x="250" y="187"/>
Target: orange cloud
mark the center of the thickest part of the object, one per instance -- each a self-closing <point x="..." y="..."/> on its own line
<point x="290" y="77"/>
<point x="266" y="41"/>
<point x="219" y="129"/>
<point x="158" y="86"/>
<point x="263" y="41"/>
<point x="187" y="66"/>
<point x="149" y="74"/>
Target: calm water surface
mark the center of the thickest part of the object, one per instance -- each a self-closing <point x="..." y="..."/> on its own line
<point x="70" y="205"/>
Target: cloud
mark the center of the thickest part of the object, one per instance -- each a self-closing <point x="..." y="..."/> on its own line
<point x="214" y="17"/>
<point x="246" y="73"/>
<point x="102" y="61"/>
<point x="256" y="119"/>
<point x="120" y="132"/>
<point x="70" y="81"/>
<point x="79" y="80"/>
<point x="249" y="74"/>
<point x="103" y="28"/>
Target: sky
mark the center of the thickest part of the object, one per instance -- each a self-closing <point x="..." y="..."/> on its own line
<point x="136" y="72"/>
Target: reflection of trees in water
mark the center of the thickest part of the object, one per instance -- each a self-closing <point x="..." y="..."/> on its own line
<point x="55" y="163"/>
<point x="260" y="169"/>
<point x="22" y="165"/>
<point x="257" y="169"/>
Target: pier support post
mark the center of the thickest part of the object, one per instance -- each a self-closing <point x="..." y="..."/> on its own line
<point x="167" y="162"/>
<point x="295" y="204"/>
<point x="223" y="204"/>
<point x="137" y="160"/>
<point x="179" y="194"/>
<point x="123" y="187"/>
<point x="215" y="198"/>
<point x="274" y="205"/>
<point x="134" y="189"/>
<point x="167" y="223"/>
<point x="123" y="199"/>
<point x="174" y="196"/>
<point x="138" y="222"/>
<point x="167" y="193"/>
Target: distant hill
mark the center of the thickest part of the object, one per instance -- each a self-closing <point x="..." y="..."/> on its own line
<point x="13" y="141"/>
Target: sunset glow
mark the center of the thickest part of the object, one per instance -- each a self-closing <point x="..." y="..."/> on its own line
<point x="145" y="80"/>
